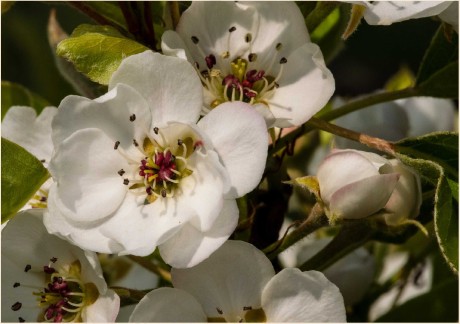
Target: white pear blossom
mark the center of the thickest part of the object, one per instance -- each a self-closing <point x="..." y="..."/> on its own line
<point x="389" y="12"/>
<point x="238" y="283"/>
<point x="22" y="126"/>
<point x="256" y="52"/>
<point x="45" y="278"/>
<point x="134" y="170"/>
<point x="356" y="184"/>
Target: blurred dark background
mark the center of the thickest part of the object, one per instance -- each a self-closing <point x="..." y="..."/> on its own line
<point x="369" y="58"/>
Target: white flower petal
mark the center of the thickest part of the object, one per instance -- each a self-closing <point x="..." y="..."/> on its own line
<point x="213" y="32"/>
<point x="406" y="199"/>
<point x="110" y="113"/>
<point x="278" y="22"/>
<point x="364" y="197"/>
<point x="203" y="191"/>
<point x="190" y="246"/>
<point x="168" y="305"/>
<point x="450" y="15"/>
<point x="173" y="45"/>
<point x="134" y="228"/>
<point x="22" y="126"/>
<point x="170" y="85"/>
<point x="295" y="296"/>
<point x="85" y="170"/>
<point x="104" y="309"/>
<point x="341" y="168"/>
<point x="231" y="278"/>
<point x="241" y="143"/>
<point x="305" y="87"/>
<point x="389" y="12"/>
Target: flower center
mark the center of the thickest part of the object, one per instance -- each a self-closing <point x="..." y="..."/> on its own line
<point x="163" y="164"/>
<point x="241" y="83"/>
<point x="64" y="295"/>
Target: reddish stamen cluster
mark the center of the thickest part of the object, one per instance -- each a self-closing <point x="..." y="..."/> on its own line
<point x="59" y="289"/>
<point x="247" y="84"/>
<point x="161" y="171"/>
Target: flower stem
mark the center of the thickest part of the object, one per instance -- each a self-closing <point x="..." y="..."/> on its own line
<point x="93" y="14"/>
<point x="166" y="275"/>
<point x="315" y="220"/>
<point x="345" y="109"/>
<point x="368" y="101"/>
<point x="372" y="142"/>
<point x="352" y="235"/>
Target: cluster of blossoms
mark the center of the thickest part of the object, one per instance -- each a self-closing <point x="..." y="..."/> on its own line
<point x="159" y="161"/>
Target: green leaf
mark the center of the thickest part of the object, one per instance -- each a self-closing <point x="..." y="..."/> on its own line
<point x="440" y="53"/>
<point x="14" y="94"/>
<point x="97" y="51"/>
<point x="79" y="82"/>
<point x="435" y="157"/>
<point x="438" y="305"/>
<point x="22" y="176"/>
<point x="439" y="147"/>
<point x="442" y="84"/>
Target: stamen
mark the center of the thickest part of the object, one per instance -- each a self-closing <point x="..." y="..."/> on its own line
<point x="219" y="310"/>
<point x="43" y="161"/>
<point x="117" y="143"/>
<point x="248" y="38"/>
<point x="232" y="29"/>
<point x="279" y="46"/>
<point x="16" y="306"/>
<point x="283" y="60"/>
<point x="121" y="172"/>
<point x="53" y="259"/>
<point x="21" y="320"/>
<point x="135" y="143"/>
<point x="27" y="268"/>
<point x="195" y="39"/>
<point x="132" y="117"/>
<point x="246" y="308"/>
<point x="252" y="57"/>
<point x="126" y="182"/>
<point x="16" y="284"/>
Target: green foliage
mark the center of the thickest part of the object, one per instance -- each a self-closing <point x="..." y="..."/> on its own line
<point x="442" y="84"/>
<point x="438" y="305"/>
<point x="14" y="94"/>
<point x="97" y="51"/>
<point x="440" y="53"/>
<point x="22" y="176"/>
<point x="438" y="73"/>
<point x="435" y="157"/>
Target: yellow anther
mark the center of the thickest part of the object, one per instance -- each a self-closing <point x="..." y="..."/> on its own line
<point x="239" y="68"/>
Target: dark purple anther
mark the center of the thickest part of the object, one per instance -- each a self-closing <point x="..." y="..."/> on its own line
<point x="254" y="75"/>
<point x="210" y="61"/>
